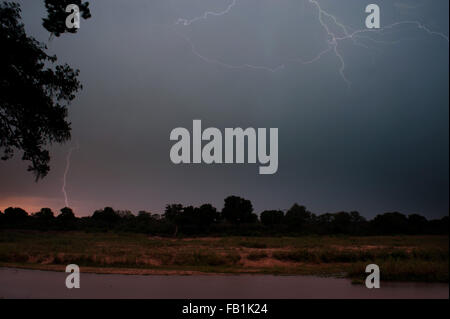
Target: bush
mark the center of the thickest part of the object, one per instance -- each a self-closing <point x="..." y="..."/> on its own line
<point x="252" y="244"/>
<point x="257" y="256"/>
<point x="205" y="259"/>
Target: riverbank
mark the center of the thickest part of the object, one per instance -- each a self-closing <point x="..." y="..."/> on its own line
<point x="401" y="258"/>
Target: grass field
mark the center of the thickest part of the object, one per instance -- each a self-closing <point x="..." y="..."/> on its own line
<point x="404" y="258"/>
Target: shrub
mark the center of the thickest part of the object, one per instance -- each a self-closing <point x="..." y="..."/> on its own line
<point x="257" y="255"/>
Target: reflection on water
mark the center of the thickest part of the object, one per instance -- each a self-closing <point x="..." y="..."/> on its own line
<point x="19" y="283"/>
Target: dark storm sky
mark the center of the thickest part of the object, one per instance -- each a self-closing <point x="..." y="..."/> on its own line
<point x="382" y="145"/>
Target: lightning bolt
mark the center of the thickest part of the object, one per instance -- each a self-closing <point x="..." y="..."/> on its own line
<point x="327" y="21"/>
<point x="206" y="14"/>
<point x="227" y="65"/>
<point x="418" y="24"/>
<point x="66" y="170"/>
<point x="333" y="42"/>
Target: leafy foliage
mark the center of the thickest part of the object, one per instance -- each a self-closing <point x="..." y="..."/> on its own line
<point x="34" y="94"/>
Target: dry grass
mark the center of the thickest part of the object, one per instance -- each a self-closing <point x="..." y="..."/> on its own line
<point x="419" y="258"/>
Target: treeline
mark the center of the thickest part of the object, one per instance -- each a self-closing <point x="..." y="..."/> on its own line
<point x="236" y="218"/>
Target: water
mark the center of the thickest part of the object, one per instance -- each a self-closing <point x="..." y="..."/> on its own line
<point x="21" y="283"/>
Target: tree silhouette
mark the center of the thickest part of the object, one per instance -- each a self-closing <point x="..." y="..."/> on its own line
<point x="297" y="217"/>
<point x="238" y="210"/>
<point x="271" y="217"/>
<point x="144" y="216"/>
<point x="189" y="220"/>
<point x="15" y="215"/>
<point x="390" y="223"/>
<point x="66" y="215"/>
<point x="45" y="214"/>
<point x="416" y="223"/>
<point x="34" y="94"/>
<point x="341" y="223"/>
<point x="107" y="215"/>
<point x="173" y="211"/>
<point x="207" y="214"/>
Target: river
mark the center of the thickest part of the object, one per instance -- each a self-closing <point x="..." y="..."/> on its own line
<point x="22" y="283"/>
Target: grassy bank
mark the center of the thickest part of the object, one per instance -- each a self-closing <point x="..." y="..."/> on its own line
<point x="406" y="258"/>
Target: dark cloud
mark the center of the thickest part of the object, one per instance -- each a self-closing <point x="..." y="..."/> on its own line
<point x="380" y="146"/>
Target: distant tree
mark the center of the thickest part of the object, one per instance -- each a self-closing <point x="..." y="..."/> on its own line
<point x="188" y="216"/>
<point x="146" y="222"/>
<point x="15" y="215"/>
<point x="125" y="214"/>
<point x="439" y="226"/>
<point x="172" y="214"/>
<point x="238" y="210"/>
<point x="359" y="225"/>
<point x="355" y="217"/>
<point x="66" y="215"/>
<point x="107" y="215"/>
<point x="298" y="217"/>
<point x="390" y="223"/>
<point x="341" y="223"/>
<point x="173" y="211"/>
<point x="144" y="216"/>
<point x="271" y="217"/>
<point x="156" y="216"/>
<point x="417" y="224"/>
<point x="207" y="214"/>
<point x="189" y="219"/>
<point x="45" y="214"/>
<point x="323" y="223"/>
<point x="34" y="94"/>
<point x="324" y="219"/>
<point x="55" y="23"/>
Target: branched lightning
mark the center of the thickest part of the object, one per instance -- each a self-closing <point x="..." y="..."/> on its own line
<point x="227" y="65"/>
<point x="66" y="170"/>
<point x="333" y="42"/>
<point x="418" y="24"/>
<point x="206" y="14"/>
<point x="328" y="22"/>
